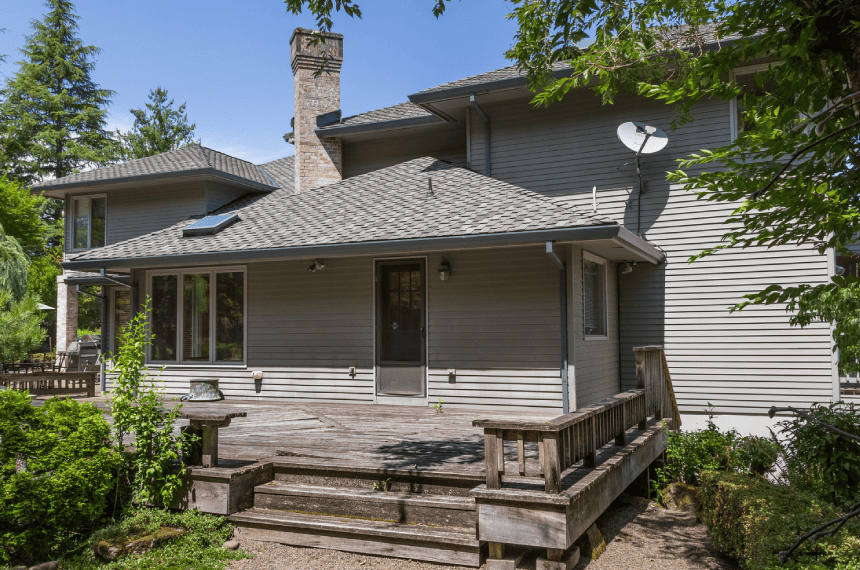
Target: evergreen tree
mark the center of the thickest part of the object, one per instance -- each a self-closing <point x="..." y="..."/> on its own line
<point x="52" y="114"/>
<point x="13" y="266"/>
<point x="21" y="216"/>
<point x="158" y="128"/>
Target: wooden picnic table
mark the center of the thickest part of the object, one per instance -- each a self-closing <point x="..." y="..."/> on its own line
<point x="205" y="424"/>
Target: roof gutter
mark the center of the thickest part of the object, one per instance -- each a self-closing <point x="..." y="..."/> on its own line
<point x="340" y="130"/>
<point x="623" y="237"/>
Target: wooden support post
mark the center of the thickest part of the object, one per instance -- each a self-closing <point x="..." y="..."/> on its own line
<point x="210" y="447"/>
<point x="521" y="453"/>
<point x="497" y="559"/>
<point x="550" y="461"/>
<point x="500" y="447"/>
<point x="491" y="458"/>
<point x="557" y="559"/>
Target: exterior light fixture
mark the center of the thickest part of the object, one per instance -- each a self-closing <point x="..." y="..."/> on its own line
<point x="316" y="266"/>
<point x="626" y="268"/>
<point x="444" y="270"/>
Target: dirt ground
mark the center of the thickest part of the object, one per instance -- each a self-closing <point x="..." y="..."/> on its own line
<point x="638" y="537"/>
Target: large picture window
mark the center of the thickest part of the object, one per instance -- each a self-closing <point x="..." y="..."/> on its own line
<point x="198" y="316"/>
<point x="593" y="296"/>
<point x="88" y="222"/>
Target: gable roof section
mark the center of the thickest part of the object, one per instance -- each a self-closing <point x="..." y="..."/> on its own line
<point x="418" y="201"/>
<point x="188" y="161"/>
<point x="281" y="171"/>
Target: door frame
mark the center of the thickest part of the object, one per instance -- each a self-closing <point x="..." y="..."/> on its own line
<point x="400" y="400"/>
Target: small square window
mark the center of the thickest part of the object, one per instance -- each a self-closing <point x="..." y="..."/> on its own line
<point x="593" y="297"/>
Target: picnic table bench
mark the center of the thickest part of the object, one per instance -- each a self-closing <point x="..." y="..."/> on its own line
<point x="205" y="424"/>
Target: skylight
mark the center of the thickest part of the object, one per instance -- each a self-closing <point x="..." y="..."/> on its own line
<point x="210" y="225"/>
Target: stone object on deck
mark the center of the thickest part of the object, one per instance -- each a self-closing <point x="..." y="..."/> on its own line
<point x="205" y="424"/>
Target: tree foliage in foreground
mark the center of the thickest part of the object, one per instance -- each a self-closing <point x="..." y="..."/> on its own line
<point x="791" y="171"/>
<point x="158" y="128"/>
<point x="52" y="114"/>
<point x="20" y="326"/>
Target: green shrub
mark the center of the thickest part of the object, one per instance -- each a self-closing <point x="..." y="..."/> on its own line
<point x="137" y="409"/>
<point x="57" y="468"/>
<point x="832" y="459"/>
<point x="688" y="454"/>
<point x="752" y="519"/>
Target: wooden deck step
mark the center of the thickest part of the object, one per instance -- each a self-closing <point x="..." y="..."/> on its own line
<point x="448" y="545"/>
<point x="405" y="507"/>
<point x="437" y="481"/>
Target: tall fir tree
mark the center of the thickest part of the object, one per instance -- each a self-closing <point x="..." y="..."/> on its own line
<point x="52" y="114"/>
<point x="158" y="128"/>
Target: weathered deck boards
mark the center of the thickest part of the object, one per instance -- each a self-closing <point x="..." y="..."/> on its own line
<point x="381" y="437"/>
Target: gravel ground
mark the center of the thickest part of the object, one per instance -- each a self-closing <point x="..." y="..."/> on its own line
<point x="638" y="537"/>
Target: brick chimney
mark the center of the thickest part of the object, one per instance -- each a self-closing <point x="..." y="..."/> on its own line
<point x="318" y="161"/>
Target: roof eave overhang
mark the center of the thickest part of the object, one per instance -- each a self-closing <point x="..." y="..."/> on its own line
<point x="465" y="90"/>
<point x="341" y="130"/>
<point x="96" y="280"/>
<point x="60" y="190"/>
<point x="425" y="97"/>
<point x="638" y="248"/>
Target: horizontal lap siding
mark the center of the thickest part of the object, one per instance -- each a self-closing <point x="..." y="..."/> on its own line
<point x="740" y="362"/>
<point x="496" y="322"/>
<point x="135" y="212"/>
<point x="595" y="359"/>
<point x="367" y="156"/>
<point x="218" y="194"/>
<point x="309" y="328"/>
<point x="305" y="330"/>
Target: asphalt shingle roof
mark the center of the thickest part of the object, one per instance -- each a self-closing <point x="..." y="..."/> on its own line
<point x="510" y="72"/>
<point x="421" y="198"/>
<point x="281" y="171"/>
<point x="395" y="112"/>
<point x="187" y="159"/>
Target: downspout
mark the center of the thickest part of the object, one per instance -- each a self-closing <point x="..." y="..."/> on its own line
<point x="469" y="138"/>
<point x="618" y="320"/>
<point x="562" y="298"/>
<point x="474" y="105"/>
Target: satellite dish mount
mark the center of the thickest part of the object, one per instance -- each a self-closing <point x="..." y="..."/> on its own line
<point x="643" y="139"/>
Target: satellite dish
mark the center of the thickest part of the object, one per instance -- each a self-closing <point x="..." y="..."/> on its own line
<point x="642" y="138"/>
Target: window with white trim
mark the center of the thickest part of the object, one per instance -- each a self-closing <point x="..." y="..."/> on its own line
<point x="89" y="214"/>
<point x="198" y="316"/>
<point x="593" y="296"/>
<point x="746" y="78"/>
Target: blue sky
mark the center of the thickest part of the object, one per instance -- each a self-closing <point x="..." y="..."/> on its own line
<point x="229" y="60"/>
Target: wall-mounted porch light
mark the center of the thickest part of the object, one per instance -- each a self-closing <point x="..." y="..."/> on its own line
<point x="316" y="266"/>
<point x="626" y="268"/>
<point x="444" y="270"/>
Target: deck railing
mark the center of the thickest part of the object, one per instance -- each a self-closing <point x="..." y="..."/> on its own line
<point x="568" y="439"/>
<point x="52" y="383"/>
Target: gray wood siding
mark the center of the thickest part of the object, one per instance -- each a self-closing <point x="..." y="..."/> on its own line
<point x="137" y="211"/>
<point x="218" y="194"/>
<point x="595" y="359"/>
<point x="496" y="322"/>
<point x="367" y="156"/>
<point x="742" y="362"/>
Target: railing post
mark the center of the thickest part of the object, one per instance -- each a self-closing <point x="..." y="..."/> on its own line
<point x="550" y="461"/>
<point x="491" y="459"/>
<point x="621" y="438"/>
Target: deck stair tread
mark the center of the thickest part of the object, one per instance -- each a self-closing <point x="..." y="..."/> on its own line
<point x="363" y="527"/>
<point x="454" y="472"/>
<point x="367" y="495"/>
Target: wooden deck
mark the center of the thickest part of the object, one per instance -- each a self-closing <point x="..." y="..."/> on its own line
<point x="360" y="435"/>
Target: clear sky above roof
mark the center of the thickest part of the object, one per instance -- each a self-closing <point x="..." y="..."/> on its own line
<point x="229" y="60"/>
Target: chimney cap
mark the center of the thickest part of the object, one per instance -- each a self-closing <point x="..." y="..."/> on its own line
<point x="308" y="32"/>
